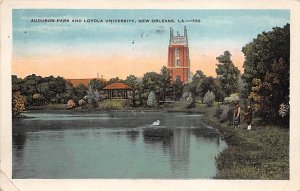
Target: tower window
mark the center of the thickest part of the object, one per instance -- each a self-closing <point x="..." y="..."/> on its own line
<point x="177" y="58"/>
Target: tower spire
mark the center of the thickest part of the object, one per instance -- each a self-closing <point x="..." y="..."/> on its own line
<point x="185" y="35"/>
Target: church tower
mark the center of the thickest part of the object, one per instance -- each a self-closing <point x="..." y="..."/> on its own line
<point x="178" y="57"/>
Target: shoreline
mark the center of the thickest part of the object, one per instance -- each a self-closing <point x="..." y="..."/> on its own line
<point x="261" y="153"/>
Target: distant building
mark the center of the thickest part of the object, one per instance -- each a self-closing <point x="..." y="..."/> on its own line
<point x="85" y="82"/>
<point x="178" y="57"/>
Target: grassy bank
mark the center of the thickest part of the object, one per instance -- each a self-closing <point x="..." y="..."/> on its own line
<point x="262" y="153"/>
<point x="49" y="106"/>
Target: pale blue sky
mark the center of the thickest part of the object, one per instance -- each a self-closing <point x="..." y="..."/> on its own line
<point x="219" y="30"/>
<point x="235" y="27"/>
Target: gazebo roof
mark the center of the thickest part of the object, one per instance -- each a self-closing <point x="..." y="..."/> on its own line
<point x="117" y="86"/>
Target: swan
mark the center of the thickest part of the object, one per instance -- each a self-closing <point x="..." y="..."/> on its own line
<point x="156" y="123"/>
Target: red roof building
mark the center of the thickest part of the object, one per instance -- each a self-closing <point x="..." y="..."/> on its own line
<point x="117" y="86"/>
<point x="118" y="90"/>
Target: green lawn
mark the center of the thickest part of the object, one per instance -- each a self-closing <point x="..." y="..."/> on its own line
<point x="262" y="153"/>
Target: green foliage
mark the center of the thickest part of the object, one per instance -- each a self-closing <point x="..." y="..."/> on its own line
<point x="114" y="80"/>
<point x="131" y="80"/>
<point x="96" y="84"/>
<point x="80" y="91"/>
<point x="18" y="104"/>
<point x="152" y="102"/>
<point x="93" y="96"/>
<point x="165" y="82"/>
<point x="51" y="89"/>
<point x="209" y="98"/>
<point x="190" y="100"/>
<point x="152" y="81"/>
<point x="227" y="73"/>
<point x="232" y="98"/>
<point x="177" y="89"/>
<point x="201" y="84"/>
<point x="267" y="70"/>
<point x="225" y="113"/>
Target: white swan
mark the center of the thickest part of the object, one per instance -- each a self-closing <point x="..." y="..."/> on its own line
<point x="156" y="123"/>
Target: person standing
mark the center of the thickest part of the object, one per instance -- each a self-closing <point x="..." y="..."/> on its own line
<point x="248" y="117"/>
<point x="237" y="114"/>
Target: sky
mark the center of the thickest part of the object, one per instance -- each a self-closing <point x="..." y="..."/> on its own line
<point x="76" y="50"/>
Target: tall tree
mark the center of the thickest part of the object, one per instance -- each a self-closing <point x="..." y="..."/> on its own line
<point x="267" y="71"/>
<point x="227" y="73"/>
<point x="166" y="82"/>
<point x="131" y="80"/>
<point x="152" y="81"/>
<point x="177" y="88"/>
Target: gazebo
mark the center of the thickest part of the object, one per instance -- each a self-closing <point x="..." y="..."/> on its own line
<point x="117" y="90"/>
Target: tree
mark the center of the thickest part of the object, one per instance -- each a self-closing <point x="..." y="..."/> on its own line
<point x="152" y="81"/>
<point x="18" y="104"/>
<point x="190" y="100"/>
<point x="201" y="84"/>
<point x="80" y="91"/>
<point x="227" y="73"/>
<point x="152" y="102"/>
<point x="209" y="98"/>
<point x="178" y="88"/>
<point x="96" y="84"/>
<point x="92" y="97"/>
<point x="267" y="71"/>
<point x="131" y="80"/>
<point x="114" y="80"/>
<point x="196" y="85"/>
<point x="16" y="83"/>
<point x="38" y="99"/>
<point x="165" y="82"/>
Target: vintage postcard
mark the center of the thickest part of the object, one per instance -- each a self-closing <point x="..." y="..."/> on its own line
<point x="164" y="96"/>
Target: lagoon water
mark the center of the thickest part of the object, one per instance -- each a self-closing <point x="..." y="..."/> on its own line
<point x="69" y="144"/>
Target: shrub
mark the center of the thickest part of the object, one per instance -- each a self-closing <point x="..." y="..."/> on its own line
<point x="209" y="98"/>
<point x="232" y="98"/>
<point x="185" y="95"/>
<point x="190" y="100"/>
<point x="18" y="104"/>
<point x="225" y="113"/>
<point x="81" y="102"/>
<point x="152" y="102"/>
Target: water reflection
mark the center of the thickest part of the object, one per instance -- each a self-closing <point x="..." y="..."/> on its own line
<point x="132" y="135"/>
<point x="19" y="141"/>
<point x="180" y="152"/>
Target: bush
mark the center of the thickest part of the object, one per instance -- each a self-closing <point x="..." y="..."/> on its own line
<point x="209" y="98"/>
<point x="152" y="102"/>
<point x="18" y="104"/>
<point x="225" y="113"/>
<point x="185" y="95"/>
<point x="190" y="100"/>
<point x="232" y="98"/>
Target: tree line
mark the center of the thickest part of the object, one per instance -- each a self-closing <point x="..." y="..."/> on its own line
<point x="264" y="83"/>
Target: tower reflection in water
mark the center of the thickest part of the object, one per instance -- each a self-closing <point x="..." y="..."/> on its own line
<point x="180" y="148"/>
